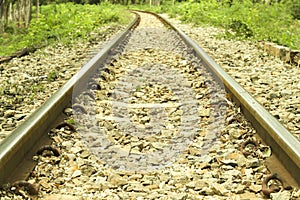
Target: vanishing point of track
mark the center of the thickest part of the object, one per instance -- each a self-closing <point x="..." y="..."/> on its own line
<point x="17" y="150"/>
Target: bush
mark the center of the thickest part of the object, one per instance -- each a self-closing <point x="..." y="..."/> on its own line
<point x="245" y="19"/>
<point x="64" y="23"/>
<point x="295" y="10"/>
<point x="239" y="29"/>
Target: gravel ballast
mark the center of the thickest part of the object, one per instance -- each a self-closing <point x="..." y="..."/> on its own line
<point x="274" y="83"/>
<point x="27" y="82"/>
<point x="223" y="170"/>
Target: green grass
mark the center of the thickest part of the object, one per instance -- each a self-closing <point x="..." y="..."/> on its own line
<point x="64" y="23"/>
<point x="245" y="20"/>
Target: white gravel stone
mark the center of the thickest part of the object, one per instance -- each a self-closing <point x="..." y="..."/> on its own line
<point x="210" y="167"/>
<point x="274" y="83"/>
<point x="284" y="195"/>
<point x="27" y="82"/>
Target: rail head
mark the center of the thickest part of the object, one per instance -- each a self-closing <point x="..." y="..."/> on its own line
<point x="25" y="139"/>
<point x="20" y="142"/>
<point x="284" y="145"/>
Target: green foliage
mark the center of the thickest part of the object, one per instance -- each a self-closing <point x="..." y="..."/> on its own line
<point x="64" y="23"/>
<point x="238" y="29"/>
<point x="52" y="76"/>
<point x="71" y="121"/>
<point x="244" y="19"/>
<point x="295" y="9"/>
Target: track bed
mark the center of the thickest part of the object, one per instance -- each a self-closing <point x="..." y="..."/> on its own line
<point x="152" y="122"/>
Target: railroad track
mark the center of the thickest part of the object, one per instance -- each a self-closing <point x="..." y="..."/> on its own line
<point x="151" y="104"/>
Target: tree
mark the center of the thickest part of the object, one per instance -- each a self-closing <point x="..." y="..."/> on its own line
<point x="22" y="13"/>
<point x="4" y="13"/>
<point x="16" y="12"/>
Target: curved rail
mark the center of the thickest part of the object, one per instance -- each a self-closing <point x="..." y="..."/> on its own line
<point x="14" y="148"/>
<point x="30" y="135"/>
<point x="284" y="145"/>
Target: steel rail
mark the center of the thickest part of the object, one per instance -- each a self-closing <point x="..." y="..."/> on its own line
<point x="26" y="138"/>
<point x="284" y="145"/>
<point x="14" y="148"/>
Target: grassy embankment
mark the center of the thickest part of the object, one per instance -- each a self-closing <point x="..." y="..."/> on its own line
<point x="64" y="23"/>
<point x="276" y="23"/>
